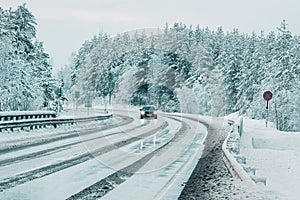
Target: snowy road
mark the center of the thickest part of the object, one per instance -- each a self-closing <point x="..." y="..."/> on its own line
<point x="125" y="156"/>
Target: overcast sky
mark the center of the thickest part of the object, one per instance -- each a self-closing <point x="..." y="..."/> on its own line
<point x="64" y="25"/>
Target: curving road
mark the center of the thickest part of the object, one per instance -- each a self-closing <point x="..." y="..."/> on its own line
<point x="123" y="157"/>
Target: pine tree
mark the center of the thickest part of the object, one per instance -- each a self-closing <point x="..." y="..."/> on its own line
<point x="25" y="63"/>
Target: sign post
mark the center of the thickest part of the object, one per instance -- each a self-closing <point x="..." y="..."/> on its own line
<point x="77" y="95"/>
<point x="267" y="95"/>
<point x="88" y="102"/>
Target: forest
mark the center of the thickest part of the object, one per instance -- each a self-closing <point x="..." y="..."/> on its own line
<point x="247" y="65"/>
<point x="182" y="69"/>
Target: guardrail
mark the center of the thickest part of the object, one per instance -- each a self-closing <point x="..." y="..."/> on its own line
<point x="39" y="123"/>
<point x="231" y="163"/>
<point x="20" y="115"/>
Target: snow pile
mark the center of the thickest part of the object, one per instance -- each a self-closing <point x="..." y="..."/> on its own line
<point x="270" y="157"/>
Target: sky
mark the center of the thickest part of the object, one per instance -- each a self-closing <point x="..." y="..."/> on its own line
<point x="63" y="25"/>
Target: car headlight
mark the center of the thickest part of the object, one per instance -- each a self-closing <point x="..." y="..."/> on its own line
<point x="155" y="112"/>
<point x="142" y="112"/>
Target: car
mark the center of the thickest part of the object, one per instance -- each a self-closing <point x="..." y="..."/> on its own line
<point x="148" y="111"/>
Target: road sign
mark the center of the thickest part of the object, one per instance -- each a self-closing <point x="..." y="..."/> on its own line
<point x="77" y="94"/>
<point x="88" y="101"/>
<point x="267" y="95"/>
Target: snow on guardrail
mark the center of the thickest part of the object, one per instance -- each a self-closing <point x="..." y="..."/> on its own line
<point x="234" y="167"/>
<point x="43" y="122"/>
<point x="20" y="115"/>
<point x="17" y="113"/>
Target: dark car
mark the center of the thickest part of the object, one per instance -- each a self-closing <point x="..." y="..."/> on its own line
<point x="148" y="111"/>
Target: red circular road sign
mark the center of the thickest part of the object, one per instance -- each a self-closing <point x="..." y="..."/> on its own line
<point x="267" y="95"/>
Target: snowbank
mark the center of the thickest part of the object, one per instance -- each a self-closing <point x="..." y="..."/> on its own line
<point x="270" y="157"/>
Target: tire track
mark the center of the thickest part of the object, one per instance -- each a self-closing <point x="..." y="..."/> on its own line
<point x="52" y="168"/>
<point x="62" y="147"/>
<point x="210" y="177"/>
<point x="66" y="135"/>
<point x="102" y="187"/>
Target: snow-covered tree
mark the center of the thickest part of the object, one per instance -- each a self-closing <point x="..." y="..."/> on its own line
<point x="26" y="70"/>
<point x="228" y="74"/>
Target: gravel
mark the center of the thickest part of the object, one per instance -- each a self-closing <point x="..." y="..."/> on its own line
<point x="210" y="179"/>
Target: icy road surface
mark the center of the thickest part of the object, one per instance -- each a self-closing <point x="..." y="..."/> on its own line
<point x="120" y="157"/>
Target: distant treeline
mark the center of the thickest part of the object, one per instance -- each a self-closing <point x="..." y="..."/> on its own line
<point x="248" y="64"/>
